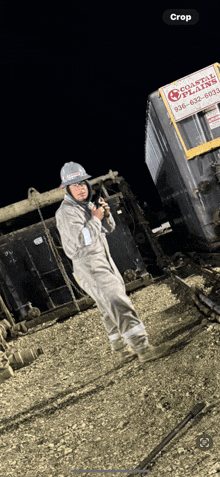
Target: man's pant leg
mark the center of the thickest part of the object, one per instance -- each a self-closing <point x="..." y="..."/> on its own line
<point x="119" y="317"/>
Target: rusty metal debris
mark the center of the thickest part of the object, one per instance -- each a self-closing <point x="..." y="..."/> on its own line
<point x="12" y="359"/>
<point x="206" y="305"/>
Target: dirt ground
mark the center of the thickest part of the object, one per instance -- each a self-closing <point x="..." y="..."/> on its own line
<point x="76" y="408"/>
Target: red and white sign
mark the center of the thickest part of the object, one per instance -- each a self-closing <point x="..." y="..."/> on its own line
<point x="193" y="93"/>
<point x="69" y="176"/>
<point x="213" y="117"/>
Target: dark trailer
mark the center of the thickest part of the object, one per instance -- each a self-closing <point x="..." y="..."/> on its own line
<point x="183" y="156"/>
<point x="36" y="280"/>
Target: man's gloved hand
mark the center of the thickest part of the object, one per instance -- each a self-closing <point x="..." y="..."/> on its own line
<point x="105" y="206"/>
<point x="99" y="213"/>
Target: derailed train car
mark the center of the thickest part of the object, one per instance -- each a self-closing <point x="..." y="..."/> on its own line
<point x="182" y="152"/>
<point x="36" y="279"/>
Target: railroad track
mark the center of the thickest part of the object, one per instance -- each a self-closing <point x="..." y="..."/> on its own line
<point x="183" y="266"/>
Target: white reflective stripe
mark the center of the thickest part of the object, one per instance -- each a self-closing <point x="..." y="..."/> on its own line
<point x="87" y="236"/>
<point x="137" y="329"/>
<point x="104" y="229"/>
<point x="114" y="337"/>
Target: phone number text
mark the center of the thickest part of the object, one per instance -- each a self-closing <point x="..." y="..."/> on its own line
<point x="197" y="99"/>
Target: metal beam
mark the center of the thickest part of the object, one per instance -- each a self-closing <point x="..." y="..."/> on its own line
<point x="42" y="200"/>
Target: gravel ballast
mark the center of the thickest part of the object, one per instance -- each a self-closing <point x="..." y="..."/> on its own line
<point x="75" y="407"/>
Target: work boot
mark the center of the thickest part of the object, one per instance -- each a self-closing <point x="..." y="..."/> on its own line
<point x="125" y="354"/>
<point x="153" y="352"/>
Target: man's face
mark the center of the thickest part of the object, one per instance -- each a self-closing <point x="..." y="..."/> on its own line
<point x="79" y="191"/>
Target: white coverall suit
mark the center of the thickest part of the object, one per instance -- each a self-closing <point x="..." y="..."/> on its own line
<point x="84" y="242"/>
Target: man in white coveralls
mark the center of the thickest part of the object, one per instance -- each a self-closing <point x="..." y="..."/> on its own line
<point x="82" y="228"/>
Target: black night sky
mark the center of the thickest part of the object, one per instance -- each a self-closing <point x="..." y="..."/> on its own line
<point x="75" y="77"/>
